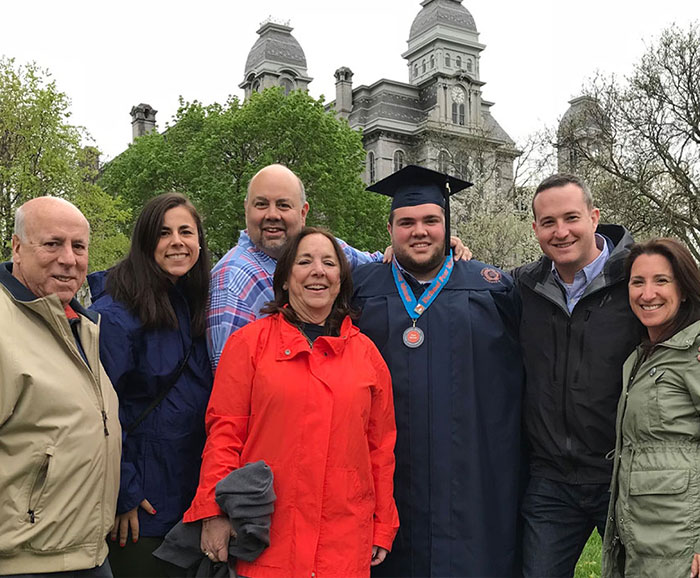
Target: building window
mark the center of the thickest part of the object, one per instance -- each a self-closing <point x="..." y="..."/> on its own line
<point x="443" y="161"/>
<point x="458" y="62"/>
<point x="415" y="70"/>
<point x="458" y="98"/>
<point x="462" y="166"/>
<point x="287" y="85"/>
<point x="423" y="67"/>
<point x="447" y="60"/>
<point x="256" y="86"/>
<point x="470" y="66"/>
<point x="399" y="160"/>
<point x="458" y="113"/>
<point x="499" y="180"/>
<point x="432" y="62"/>
<point x="573" y="159"/>
<point x="371" y="167"/>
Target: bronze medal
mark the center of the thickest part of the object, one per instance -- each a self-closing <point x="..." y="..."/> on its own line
<point x="413" y="337"/>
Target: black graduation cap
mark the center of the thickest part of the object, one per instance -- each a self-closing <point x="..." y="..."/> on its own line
<point x="414" y="185"/>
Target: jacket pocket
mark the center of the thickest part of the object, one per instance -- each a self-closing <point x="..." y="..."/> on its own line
<point x="659" y="482"/>
<point x="38" y="485"/>
<point x="658" y="515"/>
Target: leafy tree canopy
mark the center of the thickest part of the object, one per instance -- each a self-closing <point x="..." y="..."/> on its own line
<point x="41" y="154"/>
<point x="211" y="152"/>
<point x="639" y="143"/>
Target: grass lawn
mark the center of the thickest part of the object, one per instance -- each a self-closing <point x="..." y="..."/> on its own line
<point x="589" y="563"/>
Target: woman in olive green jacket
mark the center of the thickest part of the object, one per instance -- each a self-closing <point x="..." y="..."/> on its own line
<point x="653" y="524"/>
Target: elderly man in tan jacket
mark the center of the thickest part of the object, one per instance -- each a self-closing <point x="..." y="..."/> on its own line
<point x="60" y="437"/>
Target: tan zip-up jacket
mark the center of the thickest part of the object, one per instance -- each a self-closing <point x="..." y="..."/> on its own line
<point x="60" y="439"/>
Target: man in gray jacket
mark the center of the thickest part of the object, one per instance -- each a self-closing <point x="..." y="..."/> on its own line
<point x="60" y="437"/>
<point x="576" y="331"/>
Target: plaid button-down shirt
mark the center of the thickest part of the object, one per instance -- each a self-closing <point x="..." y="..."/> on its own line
<point x="241" y="284"/>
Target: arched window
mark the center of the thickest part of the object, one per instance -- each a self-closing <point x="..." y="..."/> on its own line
<point x="256" y="86"/>
<point x="443" y="161"/>
<point x="462" y="166"/>
<point x="499" y="179"/>
<point x="423" y="67"/>
<point x="287" y="85"/>
<point x="415" y="70"/>
<point x="371" y="167"/>
<point x="458" y="62"/>
<point x="470" y="65"/>
<point x="432" y="62"/>
<point x="447" y="60"/>
<point x="458" y="98"/>
<point x="573" y="159"/>
<point x="399" y="160"/>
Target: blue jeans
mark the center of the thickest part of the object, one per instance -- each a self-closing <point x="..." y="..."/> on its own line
<point x="559" y="519"/>
<point x="101" y="571"/>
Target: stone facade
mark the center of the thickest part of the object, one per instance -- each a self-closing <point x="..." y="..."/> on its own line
<point x="276" y="59"/>
<point x="439" y="118"/>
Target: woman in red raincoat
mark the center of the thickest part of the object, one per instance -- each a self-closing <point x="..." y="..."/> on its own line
<point x="305" y="391"/>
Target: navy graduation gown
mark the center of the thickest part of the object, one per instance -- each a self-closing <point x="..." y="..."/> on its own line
<point x="457" y="400"/>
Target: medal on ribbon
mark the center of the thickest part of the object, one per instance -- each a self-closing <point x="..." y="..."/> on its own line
<point x="413" y="336"/>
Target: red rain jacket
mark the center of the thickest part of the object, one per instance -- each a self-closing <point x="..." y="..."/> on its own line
<point x="323" y="420"/>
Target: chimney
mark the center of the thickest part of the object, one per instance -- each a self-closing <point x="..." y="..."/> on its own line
<point x="143" y="120"/>
<point x="343" y="92"/>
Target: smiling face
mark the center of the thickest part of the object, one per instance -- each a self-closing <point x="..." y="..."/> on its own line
<point x="654" y="294"/>
<point x="51" y="257"/>
<point x="314" y="281"/>
<point x="274" y="211"/>
<point x="418" y="239"/>
<point x="565" y="228"/>
<point x="178" y="247"/>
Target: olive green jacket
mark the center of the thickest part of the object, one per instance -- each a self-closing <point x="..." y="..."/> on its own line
<point x="60" y="437"/>
<point x="653" y="526"/>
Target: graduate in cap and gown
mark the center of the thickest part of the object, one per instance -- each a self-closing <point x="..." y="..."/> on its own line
<point x="448" y="332"/>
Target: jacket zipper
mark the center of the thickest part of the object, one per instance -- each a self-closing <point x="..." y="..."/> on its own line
<point x="95" y="376"/>
<point x="567" y="431"/>
<point x="38" y="486"/>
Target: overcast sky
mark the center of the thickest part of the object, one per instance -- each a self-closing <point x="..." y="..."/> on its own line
<point x="108" y="55"/>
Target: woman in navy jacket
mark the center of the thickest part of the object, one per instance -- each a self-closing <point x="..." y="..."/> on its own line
<point x="152" y="307"/>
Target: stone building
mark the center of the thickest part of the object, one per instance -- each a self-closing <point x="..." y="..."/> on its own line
<point x="438" y="119"/>
<point x="580" y="130"/>
<point x="276" y="59"/>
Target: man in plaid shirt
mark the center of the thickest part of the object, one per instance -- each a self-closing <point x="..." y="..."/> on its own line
<point x="241" y="282"/>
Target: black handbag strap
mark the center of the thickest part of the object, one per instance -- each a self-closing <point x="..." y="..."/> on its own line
<point x="161" y="396"/>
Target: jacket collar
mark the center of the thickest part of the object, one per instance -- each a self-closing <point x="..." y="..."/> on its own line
<point x="20" y="293"/>
<point x="292" y="341"/>
<point x="684" y="338"/>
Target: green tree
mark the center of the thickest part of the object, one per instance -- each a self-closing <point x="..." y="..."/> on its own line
<point x="640" y="144"/>
<point x="211" y="152"/>
<point x="41" y="154"/>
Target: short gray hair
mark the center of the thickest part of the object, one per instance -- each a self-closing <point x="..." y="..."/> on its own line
<point x="19" y="224"/>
